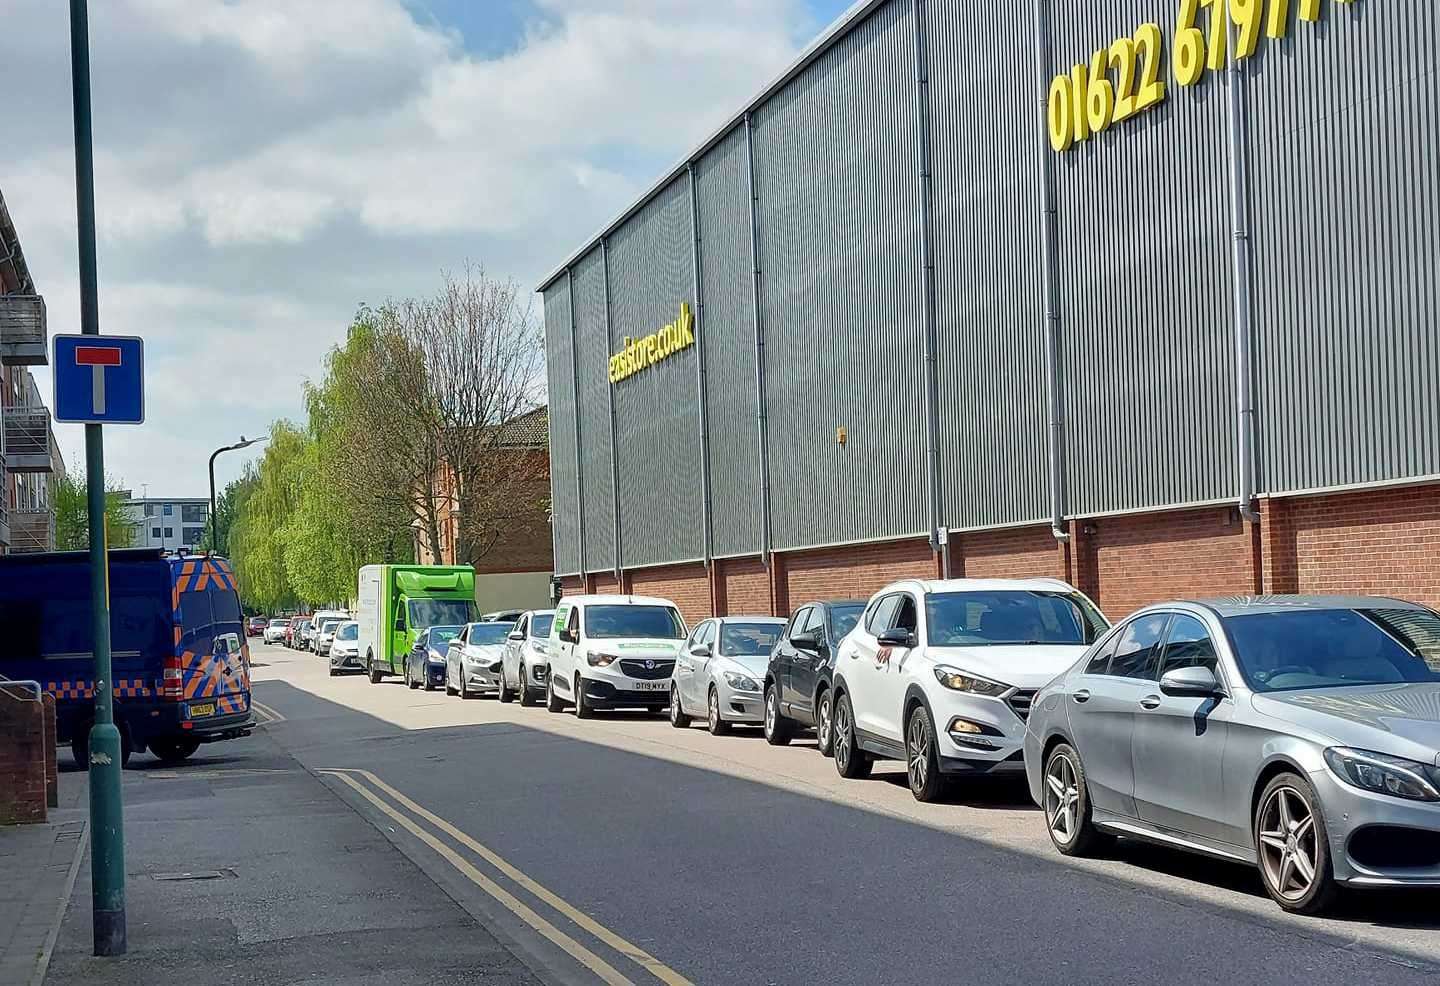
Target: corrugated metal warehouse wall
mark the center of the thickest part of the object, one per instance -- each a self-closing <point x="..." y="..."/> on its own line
<point x="1346" y="195"/>
<point x="1344" y="198"/>
<point x="840" y="291"/>
<point x="657" y="410"/>
<point x="1145" y="238"/>
<point x="726" y="330"/>
<point x="564" y="510"/>
<point x="989" y="291"/>
<point x="593" y="352"/>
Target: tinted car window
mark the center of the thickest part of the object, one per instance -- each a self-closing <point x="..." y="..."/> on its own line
<point x="748" y="639"/>
<point x="1135" y="655"/>
<point x="799" y="621"/>
<point x="879" y="619"/>
<point x="1188" y="645"/>
<point x="1010" y="616"/>
<point x="1330" y="648"/>
<point x="1100" y="663"/>
<point x="815" y="622"/>
<point x="633" y="621"/>
<point x="844" y="618"/>
<point x="907" y="617"/>
<point x="540" y="625"/>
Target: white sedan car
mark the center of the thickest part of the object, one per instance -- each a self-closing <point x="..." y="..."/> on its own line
<point x="527" y="657"/>
<point x="940" y="675"/>
<point x="274" y="632"/>
<point x="473" y="661"/>
<point x="720" y="670"/>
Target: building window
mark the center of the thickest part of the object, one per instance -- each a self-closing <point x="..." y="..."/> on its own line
<point x="149" y="510"/>
<point x="169" y="509"/>
<point x="191" y="536"/>
<point x="192" y="513"/>
<point x="169" y="532"/>
<point x="154" y="532"/>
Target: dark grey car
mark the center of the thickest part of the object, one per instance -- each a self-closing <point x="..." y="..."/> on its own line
<point x="1299" y="734"/>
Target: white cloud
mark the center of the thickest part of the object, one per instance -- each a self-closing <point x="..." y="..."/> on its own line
<point x="263" y="166"/>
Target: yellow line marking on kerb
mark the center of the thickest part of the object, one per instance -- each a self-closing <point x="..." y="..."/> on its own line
<point x="583" y="955"/>
<point x="270" y="714"/>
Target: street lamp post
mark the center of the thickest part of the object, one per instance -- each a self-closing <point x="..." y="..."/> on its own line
<point x="243" y="443"/>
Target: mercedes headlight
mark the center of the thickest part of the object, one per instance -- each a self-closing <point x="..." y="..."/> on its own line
<point x="1384" y="774"/>
<point x="741" y="682"/>
<point x="957" y="680"/>
<point x="601" y="660"/>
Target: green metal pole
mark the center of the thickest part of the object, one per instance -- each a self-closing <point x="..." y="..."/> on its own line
<point x="107" y="832"/>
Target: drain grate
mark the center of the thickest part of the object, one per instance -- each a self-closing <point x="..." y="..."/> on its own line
<point x="225" y="874"/>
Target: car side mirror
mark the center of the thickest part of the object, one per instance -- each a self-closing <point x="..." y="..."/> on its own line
<point x="806" y="642"/>
<point x="1194" y="682"/>
<point x="897" y="637"/>
<point x="399" y="623"/>
<point x="517" y="635"/>
<point x="702" y="650"/>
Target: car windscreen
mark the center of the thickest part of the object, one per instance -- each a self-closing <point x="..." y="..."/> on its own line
<point x="489" y="633"/>
<point x="350" y="631"/>
<point x="748" y="639"/>
<point x="440" y="612"/>
<point x="540" y="625"/>
<point x="652" y="622"/>
<point x="1334" y="648"/>
<point x="844" y="618"/>
<point x="440" y="636"/>
<point x="328" y="626"/>
<point x="997" y="617"/>
<point x="279" y="623"/>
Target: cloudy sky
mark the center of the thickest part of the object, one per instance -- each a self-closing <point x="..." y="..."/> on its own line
<point x="265" y="166"/>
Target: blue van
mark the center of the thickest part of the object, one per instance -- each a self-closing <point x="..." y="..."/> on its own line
<point x="180" y="664"/>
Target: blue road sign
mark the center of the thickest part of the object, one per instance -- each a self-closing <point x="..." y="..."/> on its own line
<point x="99" y="379"/>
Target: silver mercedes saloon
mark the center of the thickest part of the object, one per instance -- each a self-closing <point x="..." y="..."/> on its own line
<point x="1300" y="734"/>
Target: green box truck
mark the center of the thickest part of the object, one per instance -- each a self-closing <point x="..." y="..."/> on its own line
<point x="398" y="601"/>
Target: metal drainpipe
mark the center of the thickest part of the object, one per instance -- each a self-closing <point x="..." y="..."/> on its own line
<point x="1049" y="198"/>
<point x="610" y="403"/>
<point x="1240" y="217"/>
<point x="706" y="521"/>
<point x="759" y="351"/>
<point x="575" y="393"/>
<point x="927" y="276"/>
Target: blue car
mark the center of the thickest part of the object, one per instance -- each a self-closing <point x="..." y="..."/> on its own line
<point x="425" y="664"/>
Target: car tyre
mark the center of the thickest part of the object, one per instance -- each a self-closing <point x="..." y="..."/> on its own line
<point x="552" y="701"/>
<point x="922" y="763"/>
<point x="714" y="721"/>
<point x="1066" y="802"/>
<point x="527" y="697"/>
<point x="464" y="689"/>
<point x="778" y="730"/>
<point x="174" y="751"/>
<point x="678" y="718"/>
<point x="80" y="746"/>
<point x="583" y="709"/>
<point x="506" y="695"/>
<point x="449" y="688"/>
<point x="850" y="761"/>
<point x="1294" y="847"/>
<point x="825" y="723"/>
<point x="374" y="671"/>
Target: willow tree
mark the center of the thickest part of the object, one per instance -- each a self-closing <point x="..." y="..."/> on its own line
<point x="257" y="544"/>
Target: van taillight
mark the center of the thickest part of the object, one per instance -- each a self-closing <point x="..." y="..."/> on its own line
<point x="172" y="686"/>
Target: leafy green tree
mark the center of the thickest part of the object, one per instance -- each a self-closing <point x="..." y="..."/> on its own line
<point x="72" y="514"/>
<point x="227" y="508"/>
<point x="256" y="539"/>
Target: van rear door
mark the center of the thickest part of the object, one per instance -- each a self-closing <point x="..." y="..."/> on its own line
<point x="214" y="658"/>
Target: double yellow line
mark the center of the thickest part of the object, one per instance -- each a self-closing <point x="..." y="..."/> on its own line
<point x="363" y="781"/>
<point x="267" y="714"/>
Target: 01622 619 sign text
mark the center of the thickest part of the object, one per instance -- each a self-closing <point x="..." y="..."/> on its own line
<point x="1086" y="100"/>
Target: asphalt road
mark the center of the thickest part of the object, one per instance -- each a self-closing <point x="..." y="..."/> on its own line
<point x="623" y="850"/>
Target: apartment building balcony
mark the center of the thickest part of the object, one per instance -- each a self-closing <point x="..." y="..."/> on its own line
<point x="29" y="441"/>
<point x="31" y="530"/>
<point x="24" y="338"/>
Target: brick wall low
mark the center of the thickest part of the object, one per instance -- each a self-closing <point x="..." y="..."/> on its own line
<point x="1127" y="562"/>
<point x="744" y="587"/>
<point x="23" y="759"/>
<point x="685" y="585"/>
<point x="1010" y="553"/>
<point x="1376" y="542"/>
<point x="856" y="572"/>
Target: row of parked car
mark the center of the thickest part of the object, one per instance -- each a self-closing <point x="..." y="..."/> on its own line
<point x="316" y="632"/>
<point x="1297" y="734"/>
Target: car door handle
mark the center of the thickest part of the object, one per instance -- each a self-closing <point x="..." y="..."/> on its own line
<point x="1082" y="696"/>
<point x="1150" y="702"/>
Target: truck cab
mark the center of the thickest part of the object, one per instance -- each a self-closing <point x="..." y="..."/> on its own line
<point x="396" y="602"/>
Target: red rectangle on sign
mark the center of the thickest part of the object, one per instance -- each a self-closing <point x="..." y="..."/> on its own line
<point x="97" y="355"/>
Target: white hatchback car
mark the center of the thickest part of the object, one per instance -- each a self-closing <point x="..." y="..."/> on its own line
<point x="472" y="661"/>
<point x="720" y="671"/>
<point x="940" y="675"/>
<point x="612" y="652"/>
<point x="527" y="657"/>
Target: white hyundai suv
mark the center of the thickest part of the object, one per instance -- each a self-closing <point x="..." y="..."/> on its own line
<point x="611" y="652"/>
<point x="940" y="674"/>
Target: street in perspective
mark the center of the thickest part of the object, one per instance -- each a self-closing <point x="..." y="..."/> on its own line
<point x="808" y="492"/>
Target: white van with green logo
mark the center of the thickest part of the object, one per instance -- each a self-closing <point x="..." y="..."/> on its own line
<point x="612" y="652"/>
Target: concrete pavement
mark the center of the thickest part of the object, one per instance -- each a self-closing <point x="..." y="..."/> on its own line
<point x="727" y="860"/>
<point x="38" y="867"/>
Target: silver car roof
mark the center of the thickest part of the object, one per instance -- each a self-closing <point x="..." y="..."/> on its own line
<point x="1247" y="605"/>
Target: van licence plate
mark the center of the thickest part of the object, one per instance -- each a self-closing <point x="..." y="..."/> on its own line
<point x="202" y="710"/>
<point x="652" y="686"/>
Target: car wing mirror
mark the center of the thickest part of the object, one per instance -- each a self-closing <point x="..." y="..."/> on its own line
<point x="1193" y="682"/>
<point x="806" y="642"/>
<point x="701" y="650"/>
<point x="516" y="636"/>
<point x="897" y="637"/>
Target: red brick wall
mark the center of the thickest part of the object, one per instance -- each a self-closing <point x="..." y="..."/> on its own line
<point x="686" y="585"/>
<point x="1377" y="542"/>
<point x="856" y="572"/>
<point x="1128" y="562"/>
<point x="605" y="583"/>
<point x="23" y="759"/>
<point x="744" y="586"/>
<point x="1012" y="553"/>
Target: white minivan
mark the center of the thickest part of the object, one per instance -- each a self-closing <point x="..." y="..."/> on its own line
<point x="612" y="652"/>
